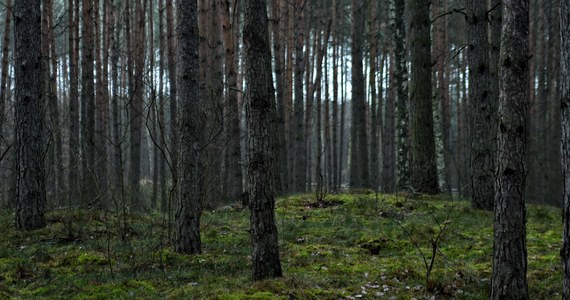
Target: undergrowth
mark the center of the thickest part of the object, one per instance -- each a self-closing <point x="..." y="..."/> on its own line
<point x="344" y="246"/>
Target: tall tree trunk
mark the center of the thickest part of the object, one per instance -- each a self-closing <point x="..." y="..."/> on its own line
<point x="233" y="183"/>
<point x="73" y="176"/>
<point x="335" y="118"/>
<point x="374" y="135"/>
<point x="102" y="103"/>
<point x="173" y="98"/>
<point x="136" y="110"/>
<point x="161" y="108"/>
<point x="5" y="64"/>
<point x="482" y="109"/>
<point x="359" y="174"/>
<point x="261" y="119"/>
<point x="565" y="121"/>
<point x="30" y="188"/>
<point x="188" y="206"/>
<point x="279" y="54"/>
<point x="401" y="74"/>
<point x="300" y="167"/>
<point x="424" y="170"/>
<point x="389" y="149"/>
<point x="509" y="250"/>
<point x="88" y="106"/>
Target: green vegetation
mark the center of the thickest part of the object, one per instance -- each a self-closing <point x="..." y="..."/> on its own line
<point x="347" y="246"/>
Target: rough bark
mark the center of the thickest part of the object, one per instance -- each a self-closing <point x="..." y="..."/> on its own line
<point x="261" y="119"/>
<point x="102" y="103"/>
<point x="401" y="74"/>
<point x="173" y="98"/>
<point x="565" y="121"/>
<point x="73" y="176"/>
<point x="136" y="110"/>
<point x="481" y="107"/>
<point x="374" y="103"/>
<point x="335" y="118"/>
<point x="88" y="186"/>
<point x="279" y="57"/>
<point x="359" y="173"/>
<point x="424" y="170"/>
<point x="30" y="187"/>
<point x="509" y="250"/>
<point x="161" y="109"/>
<point x="233" y="182"/>
<point x="188" y="206"/>
<point x="300" y="166"/>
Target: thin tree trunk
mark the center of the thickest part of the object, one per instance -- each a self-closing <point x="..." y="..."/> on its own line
<point x="509" y="249"/>
<point x="261" y="118"/>
<point x="5" y="65"/>
<point x="374" y="135"/>
<point x="401" y="75"/>
<point x="565" y="121"/>
<point x="88" y="106"/>
<point x="73" y="176"/>
<point x="300" y="167"/>
<point x="173" y="98"/>
<point x="161" y="108"/>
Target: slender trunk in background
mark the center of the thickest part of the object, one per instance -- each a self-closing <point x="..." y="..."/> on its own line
<point x="401" y="74"/>
<point x="261" y="119"/>
<point x="5" y="64"/>
<point x="300" y="167"/>
<point x="565" y="121"/>
<point x="188" y="206"/>
<point x="29" y="144"/>
<point x="173" y="149"/>
<point x="482" y="146"/>
<point x="73" y="175"/>
<point x="102" y="103"/>
<point x="279" y="54"/>
<point x="136" y="110"/>
<point x="442" y="94"/>
<point x="424" y="170"/>
<point x="310" y="57"/>
<point x="374" y="135"/>
<point x="161" y="108"/>
<point x="388" y="136"/>
<point x="335" y="118"/>
<point x="359" y="173"/>
<point x="88" y="185"/>
<point x="117" y="171"/>
<point x="54" y="112"/>
<point x="233" y="182"/>
<point x="509" y="248"/>
<point x="153" y="110"/>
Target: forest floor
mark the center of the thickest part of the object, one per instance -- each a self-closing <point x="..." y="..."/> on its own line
<point x="350" y="246"/>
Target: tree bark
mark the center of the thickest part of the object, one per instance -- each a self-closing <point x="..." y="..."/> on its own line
<point x="73" y="176"/>
<point x="482" y="109"/>
<point x="188" y="206"/>
<point x="565" y="121"/>
<point x="88" y="191"/>
<point x="30" y="188"/>
<point x="300" y="167"/>
<point x="401" y="74"/>
<point x="424" y="170"/>
<point x="171" y="36"/>
<point x="261" y="119"/>
<point x="359" y="173"/>
<point x="5" y="65"/>
<point x="509" y="250"/>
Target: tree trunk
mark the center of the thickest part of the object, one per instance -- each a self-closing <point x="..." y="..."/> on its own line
<point x="300" y="168"/>
<point x="5" y="64"/>
<point x="173" y="149"/>
<point x="482" y="109"/>
<point x="509" y="250"/>
<point x="73" y="176"/>
<point x="188" y="206"/>
<point x="359" y="175"/>
<point x="161" y="108"/>
<point x="279" y="53"/>
<point x="261" y="119"/>
<point x="374" y="135"/>
<point x="233" y="181"/>
<point x="424" y="170"/>
<point x="565" y="121"/>
<point x="401" y="74"/>
<point x="30" y="188"/>
<point x="88" y="106"/>
<point x="335" y="118"/>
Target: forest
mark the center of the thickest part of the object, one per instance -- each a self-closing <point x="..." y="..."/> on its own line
<point x="285" y="149"/>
